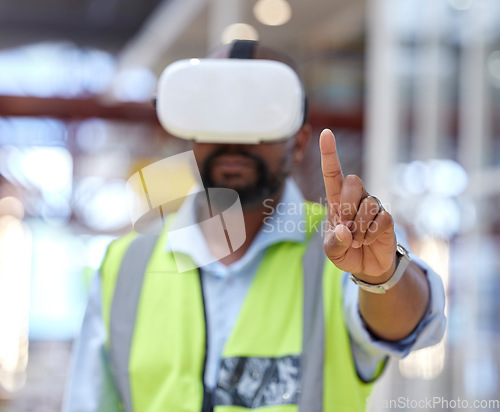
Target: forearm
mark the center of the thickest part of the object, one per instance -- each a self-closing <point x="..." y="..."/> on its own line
<point x="394" y="315"/>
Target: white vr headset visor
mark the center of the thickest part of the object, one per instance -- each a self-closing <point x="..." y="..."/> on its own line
<point x="230" y="100"/>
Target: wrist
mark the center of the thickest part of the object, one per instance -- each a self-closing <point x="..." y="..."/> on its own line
<point x="389" y="278"/>
<point x="383" y="277"/>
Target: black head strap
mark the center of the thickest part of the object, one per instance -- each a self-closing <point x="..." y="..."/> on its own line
<point x="242" y="49"/>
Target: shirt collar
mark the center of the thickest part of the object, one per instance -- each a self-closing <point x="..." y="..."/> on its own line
<point x="284" y="222"/>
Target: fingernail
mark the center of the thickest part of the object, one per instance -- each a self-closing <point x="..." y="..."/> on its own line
<point x="355" y="244"/>
<point x="337" y="237"/>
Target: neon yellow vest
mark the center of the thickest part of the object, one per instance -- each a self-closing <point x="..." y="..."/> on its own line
<point x="167" y="351"/>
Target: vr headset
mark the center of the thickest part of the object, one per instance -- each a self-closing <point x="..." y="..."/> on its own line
<point x="235" y="100"/>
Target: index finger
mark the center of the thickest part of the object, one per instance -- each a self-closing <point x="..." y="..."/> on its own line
<point x="332" y="170"/>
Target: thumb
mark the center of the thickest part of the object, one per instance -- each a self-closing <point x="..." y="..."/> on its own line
<point x="337" y="240"/>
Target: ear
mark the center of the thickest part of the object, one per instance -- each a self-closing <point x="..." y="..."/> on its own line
<point x="301" y="139"/>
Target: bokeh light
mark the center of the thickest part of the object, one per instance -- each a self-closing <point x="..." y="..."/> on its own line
<point x="55" y="69"/>
<point x="272" y="12"/>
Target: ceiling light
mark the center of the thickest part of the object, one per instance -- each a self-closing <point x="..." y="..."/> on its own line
<point x="272" y="12"/>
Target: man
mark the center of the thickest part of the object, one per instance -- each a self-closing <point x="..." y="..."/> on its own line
<point x="273" y="324"/>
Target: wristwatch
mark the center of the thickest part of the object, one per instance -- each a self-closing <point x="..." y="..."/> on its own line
<point x="403" y="260"/>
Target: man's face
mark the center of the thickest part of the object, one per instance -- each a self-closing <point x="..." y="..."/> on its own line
<point x="255" y="171"/>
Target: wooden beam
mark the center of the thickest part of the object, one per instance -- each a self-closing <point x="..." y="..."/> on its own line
<point x="68" y="109"/>
<point x="74" y="108"/>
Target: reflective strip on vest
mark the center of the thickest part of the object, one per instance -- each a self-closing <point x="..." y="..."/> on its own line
<point x="124" y="306"/>
<point x="313" y="342"/>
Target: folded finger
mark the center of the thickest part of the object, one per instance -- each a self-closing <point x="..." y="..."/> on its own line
<point x="382" y="224"/>
<point x="368" y="210"/>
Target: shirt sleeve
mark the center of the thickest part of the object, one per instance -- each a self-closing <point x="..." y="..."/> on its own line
<point x="90" y="385"/>
<point x="369" y="351"/>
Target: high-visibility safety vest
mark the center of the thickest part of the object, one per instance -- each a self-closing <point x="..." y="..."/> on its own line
<point x="289" y="349"/>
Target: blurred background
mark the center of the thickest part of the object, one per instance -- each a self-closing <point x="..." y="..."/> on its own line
<point x="410" y="88"/>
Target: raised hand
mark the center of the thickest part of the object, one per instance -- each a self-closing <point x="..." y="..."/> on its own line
<point x="359" y="236"/>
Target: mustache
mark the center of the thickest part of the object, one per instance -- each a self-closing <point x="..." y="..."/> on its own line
<point x="232" y="151"/>
<point x="208" y="163"/>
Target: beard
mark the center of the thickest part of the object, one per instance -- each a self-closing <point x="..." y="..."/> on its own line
<point x="252" y="195"/>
